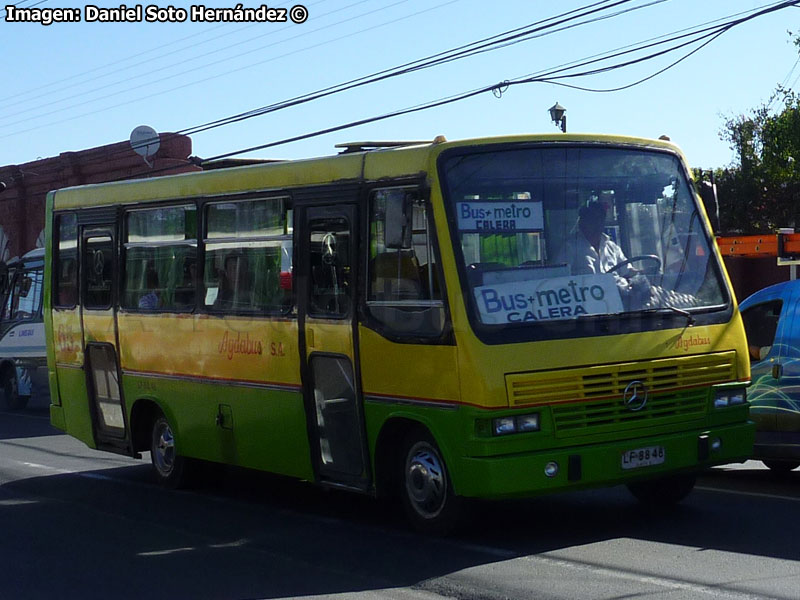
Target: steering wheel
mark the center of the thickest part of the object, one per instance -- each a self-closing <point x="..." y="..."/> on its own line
<point x="643" y="257"/>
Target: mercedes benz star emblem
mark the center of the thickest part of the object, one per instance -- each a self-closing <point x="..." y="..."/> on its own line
<point x="635" y="395"/>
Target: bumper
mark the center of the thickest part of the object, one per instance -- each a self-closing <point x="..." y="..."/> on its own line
<point x="599" y="465"/>
<point x="777" y="445"/>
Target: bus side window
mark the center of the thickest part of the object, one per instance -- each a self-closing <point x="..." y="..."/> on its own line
<point x="160" y="251"/>
<point x="245" y="243"/>
<point x="66" y="262"/>
<point x="404" y="293"/>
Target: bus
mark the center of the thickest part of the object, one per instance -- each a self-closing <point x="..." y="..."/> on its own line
<point x="405" y="320"/>
<point x="23" y="358"/>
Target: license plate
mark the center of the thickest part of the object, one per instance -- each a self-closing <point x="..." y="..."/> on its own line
<point x="643" y="457"/>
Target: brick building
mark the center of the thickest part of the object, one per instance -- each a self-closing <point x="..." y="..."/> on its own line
<point x="26" y="185"/>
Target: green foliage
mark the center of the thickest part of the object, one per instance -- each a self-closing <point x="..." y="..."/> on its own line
<point x="760" y="192"/>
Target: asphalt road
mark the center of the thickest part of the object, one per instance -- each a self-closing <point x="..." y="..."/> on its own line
<point x="75" y="523"/>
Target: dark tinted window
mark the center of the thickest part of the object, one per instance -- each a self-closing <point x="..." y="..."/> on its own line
<point x="98" y="269"/>
<point x="761" y="325"/>
<point x="248" y="256"/>
<point x="66" y="260"/>
<point x="331" y="272"/>
<point x="160" y="258"/>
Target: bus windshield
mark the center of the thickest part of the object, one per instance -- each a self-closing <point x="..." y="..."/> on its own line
<point x="552" y="233"/>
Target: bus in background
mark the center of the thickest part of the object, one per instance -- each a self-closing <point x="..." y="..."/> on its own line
<point x="488" y="318"/>
<point x="23" y="360"/>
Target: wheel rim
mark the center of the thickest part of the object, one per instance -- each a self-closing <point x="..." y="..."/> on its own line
<point x="426" y="481"/>
<point x="163" y="449"/>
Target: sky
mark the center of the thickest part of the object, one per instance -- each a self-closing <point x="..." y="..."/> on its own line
<point x="73" y="86"/>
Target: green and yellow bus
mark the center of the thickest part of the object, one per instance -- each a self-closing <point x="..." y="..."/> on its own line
<point x="428" y="320"/>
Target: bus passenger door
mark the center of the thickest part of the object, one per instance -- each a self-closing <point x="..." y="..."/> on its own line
<point x="327" y="308"/>
<point x="98" y="314"/>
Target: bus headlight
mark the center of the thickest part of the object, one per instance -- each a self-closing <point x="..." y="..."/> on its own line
<point x="724" y="398"/>
<point x="516" y="424"/>
<point x="503" y="426"/>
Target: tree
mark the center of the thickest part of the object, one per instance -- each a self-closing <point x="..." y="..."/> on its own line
<point x="760" y="192"/>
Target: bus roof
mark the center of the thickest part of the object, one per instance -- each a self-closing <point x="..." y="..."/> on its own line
<point x="375" y="160"/>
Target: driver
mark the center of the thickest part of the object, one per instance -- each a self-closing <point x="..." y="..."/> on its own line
<point x="590" y="250"/>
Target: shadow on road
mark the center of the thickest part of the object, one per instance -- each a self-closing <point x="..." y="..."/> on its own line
<point x="244" y="534"/>
<point x="25" y="423"/>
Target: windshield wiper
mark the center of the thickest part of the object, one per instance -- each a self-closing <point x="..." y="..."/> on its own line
<point x="678" y="311"/>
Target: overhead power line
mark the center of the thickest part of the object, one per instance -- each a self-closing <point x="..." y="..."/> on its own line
<point x="541" y="25"/>
<point x="21" y="4"/>
<point x="709" y="35"/>
<point x="116" y="67"/>
<point x="528" y="31"/>
<point x="555" y="75"/>
<point x="151" y="71"/>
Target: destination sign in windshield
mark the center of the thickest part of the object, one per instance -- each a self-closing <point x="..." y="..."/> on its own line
<point x="518" y="216"/>
<point x="548" y="299"/>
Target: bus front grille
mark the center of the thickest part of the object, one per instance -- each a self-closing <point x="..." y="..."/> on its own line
<point x="607" y="383"/>
<point x="584" y="418"/>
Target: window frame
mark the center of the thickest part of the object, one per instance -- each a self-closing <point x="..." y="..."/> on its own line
<point x="125" y="246"/>
<point x="91" y="232"/>
<point x="446" y="336"/>
<point x="56" y="260"/>
<point x="602" y="325"/>
<point x="288" y="205"/>
<point x="781" y="303"/>
<point x="18" y="276"/>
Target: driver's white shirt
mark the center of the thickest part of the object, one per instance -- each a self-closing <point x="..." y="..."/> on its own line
<point x="584" y="259"/>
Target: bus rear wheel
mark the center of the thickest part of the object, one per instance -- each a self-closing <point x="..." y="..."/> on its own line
<point x="11" y="391"/>
<point x="781" y="466"/>
<point x="664" y="491"/>
<point x="427" y="494"/>
<point x="171" y="469"/>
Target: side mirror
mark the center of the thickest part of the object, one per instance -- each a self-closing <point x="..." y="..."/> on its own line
<point x="397" y="226"/>
<point x="708" y="194"/>
<point x="4" y="278"/>
<point x="777" y="371"/>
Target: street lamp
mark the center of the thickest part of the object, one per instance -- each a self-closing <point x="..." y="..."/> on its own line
<point x="558" y="117"/>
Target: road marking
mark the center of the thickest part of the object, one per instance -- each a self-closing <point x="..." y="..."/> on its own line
<point x="753" y="494"/>
<point x="42" y="467"/>
<point x="78" y="473"/>
<point x="165" y="552"/>
<point x="16" y="501"/>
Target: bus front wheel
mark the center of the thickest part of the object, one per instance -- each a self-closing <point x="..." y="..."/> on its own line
<point x="664" y="491"/>
<point x="169" y="467"/>
<point x="427" y="493"/>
